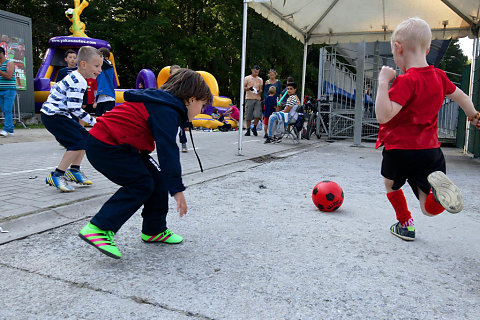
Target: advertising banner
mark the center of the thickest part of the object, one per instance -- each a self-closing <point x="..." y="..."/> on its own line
<point x="15" y="51"/>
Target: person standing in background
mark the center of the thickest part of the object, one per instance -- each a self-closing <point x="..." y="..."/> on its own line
<point x="105" y="97"/>
<point x="8" y="92"/>
<point x="253" y="85"/>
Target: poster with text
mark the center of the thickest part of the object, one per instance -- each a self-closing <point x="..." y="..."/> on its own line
<point x="15" y="51"/>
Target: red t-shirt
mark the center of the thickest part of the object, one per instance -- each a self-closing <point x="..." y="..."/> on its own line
<point x="421" y="92"/>
<point x="91" y="90"/>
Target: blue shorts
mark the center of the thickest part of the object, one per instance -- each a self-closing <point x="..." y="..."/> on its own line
<point x="68" y="132"/>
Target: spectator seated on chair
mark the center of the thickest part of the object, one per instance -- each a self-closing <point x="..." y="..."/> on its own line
<point x="279" y="121"/>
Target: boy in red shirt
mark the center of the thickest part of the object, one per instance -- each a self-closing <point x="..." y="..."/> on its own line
<point x="408" y="114"/>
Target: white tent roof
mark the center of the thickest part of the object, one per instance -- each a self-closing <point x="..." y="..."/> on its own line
<point x="343" y="21"/>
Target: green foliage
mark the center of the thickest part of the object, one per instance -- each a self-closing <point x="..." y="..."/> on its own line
<point x="198" y="34"/>
<point x="454" y="61"/>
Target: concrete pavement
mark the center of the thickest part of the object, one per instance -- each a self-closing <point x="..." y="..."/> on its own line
<point x="255" y="246"/>
<point x="29" y="205"/>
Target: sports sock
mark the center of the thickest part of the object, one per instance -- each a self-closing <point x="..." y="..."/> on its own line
<point x="432" y="206"/>
<point x="399" y="204"/>
<point x="75" y="168"/>
<point x="58" y="172"/>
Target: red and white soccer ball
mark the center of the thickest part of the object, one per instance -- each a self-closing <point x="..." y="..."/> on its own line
<point x="327" y="196"/>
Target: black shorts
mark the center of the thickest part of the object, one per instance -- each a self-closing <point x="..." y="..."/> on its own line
<point x="103" y="107"/>
<point x="89" y="108"/>
<point x="68" y="132"/>
<point x="413" y="166"/>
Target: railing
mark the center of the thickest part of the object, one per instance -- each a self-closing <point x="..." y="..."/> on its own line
<point x="17" y="116"/>
<point x="338" y="88"/>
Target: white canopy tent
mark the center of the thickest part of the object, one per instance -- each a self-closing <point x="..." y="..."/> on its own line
<point x="344" y="21"/>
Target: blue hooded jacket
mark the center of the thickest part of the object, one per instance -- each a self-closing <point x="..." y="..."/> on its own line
<point x="149" y="118"/>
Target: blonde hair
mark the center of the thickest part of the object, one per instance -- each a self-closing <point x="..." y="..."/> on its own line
<point x="86" y="53"/>
<point x="272" y="90"/>
<point x="413" y="33"/>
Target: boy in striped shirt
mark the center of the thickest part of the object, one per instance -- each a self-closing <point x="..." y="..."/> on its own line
<point x="65" y="100"/>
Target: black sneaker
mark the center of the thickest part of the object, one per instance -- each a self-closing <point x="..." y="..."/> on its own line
<point x="247" y="134"/>
<point x="268" y="140"/>
<point x="407" y="234"/>
<point x="254" y="131"/>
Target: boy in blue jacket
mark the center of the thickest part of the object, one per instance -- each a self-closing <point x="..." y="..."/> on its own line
<point x="119" y="146"/>
<point x="105" y="97"/>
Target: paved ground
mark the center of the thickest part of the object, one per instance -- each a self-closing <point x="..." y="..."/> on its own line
<point x="255" y="246"/>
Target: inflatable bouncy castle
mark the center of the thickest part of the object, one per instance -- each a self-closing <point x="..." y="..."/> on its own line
<point x="53" y="59"/>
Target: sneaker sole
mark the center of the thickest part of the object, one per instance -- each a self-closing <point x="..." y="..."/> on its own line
<point x="169" y="243"/>
<point x="447" y="193"/>
<point x="62" y="190"/>
<point x="111" y="255"/>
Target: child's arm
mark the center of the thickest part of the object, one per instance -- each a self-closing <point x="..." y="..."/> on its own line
<point x="9" y="72"/>
<point x="385" y="109"/>
<point x="466" y="104"/>
<point x="74" y="105"/>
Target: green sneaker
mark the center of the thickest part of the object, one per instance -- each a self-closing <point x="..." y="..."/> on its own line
<point x="166" y="236"/>
<point x="407" y="234"/>
<point x="100" y="239"/>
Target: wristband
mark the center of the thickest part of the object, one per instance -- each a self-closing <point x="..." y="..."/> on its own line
<point x="475" y="117"/>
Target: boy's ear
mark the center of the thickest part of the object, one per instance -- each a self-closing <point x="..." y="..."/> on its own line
<point x="399" y="47"/>
<point x="82" y="64"/>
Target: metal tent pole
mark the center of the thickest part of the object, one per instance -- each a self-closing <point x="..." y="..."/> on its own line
<point x="242" y="75"/>
<point x="470" y="90"/>
<point x="304" y="68"/>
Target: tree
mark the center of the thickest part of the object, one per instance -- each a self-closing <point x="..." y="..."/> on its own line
<point x="454" y="61"/>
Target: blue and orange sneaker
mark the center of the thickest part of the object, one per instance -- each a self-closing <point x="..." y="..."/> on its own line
<point x="100" y="239"/>
<point x="166" y="236"/>
<point x="59" y="182"/>
<point x="78" y="177"/>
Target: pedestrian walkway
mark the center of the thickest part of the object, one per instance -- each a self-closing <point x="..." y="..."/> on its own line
<point x="29" y="205"/>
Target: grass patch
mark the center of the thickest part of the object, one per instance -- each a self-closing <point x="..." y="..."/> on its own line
<point x="18" y="126"/>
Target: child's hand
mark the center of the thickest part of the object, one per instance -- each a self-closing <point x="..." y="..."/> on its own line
<point x="475" y="120"/>
<point x="181" y="203"/>
<point x="387" y="74"/>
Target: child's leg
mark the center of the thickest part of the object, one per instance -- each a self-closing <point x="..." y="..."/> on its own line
<point x="399" y="204"/>
<point x="265" y="126"/>
<point x="155" y="209"/>
<point x="72" y="157"/>
<point x="127" y="169"/>
<point x="430" y="207"/>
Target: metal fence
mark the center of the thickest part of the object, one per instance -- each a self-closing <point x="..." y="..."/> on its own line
<point x="338" y="89"/>
<point x="17" y="116"/>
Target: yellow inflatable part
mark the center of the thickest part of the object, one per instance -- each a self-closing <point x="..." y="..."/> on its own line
<point x="205" y="121"/>
<point x="119" y="97"/>
<point x="163" y="76"/>
<point x="232" y="122"/>
<point x="41" y="96"/>
<point x="221" y="102"/>
<point x="211" y="82"/>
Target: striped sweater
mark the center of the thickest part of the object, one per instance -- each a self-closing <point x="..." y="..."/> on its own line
<point x="7" y="84"/>
<point x="66" y="98"/>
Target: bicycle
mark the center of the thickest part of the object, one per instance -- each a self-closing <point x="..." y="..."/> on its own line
<point x="311" y="106"/>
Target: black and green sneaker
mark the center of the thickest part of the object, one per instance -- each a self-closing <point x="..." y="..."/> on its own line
<point x="407" y="234"/>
